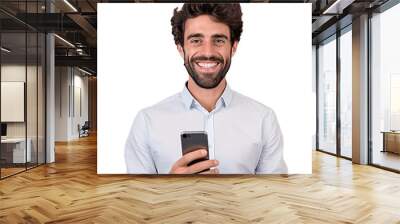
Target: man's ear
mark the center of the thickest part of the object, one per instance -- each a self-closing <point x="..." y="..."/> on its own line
<point x="180" y="49"/>
<point x="234" y="47"/>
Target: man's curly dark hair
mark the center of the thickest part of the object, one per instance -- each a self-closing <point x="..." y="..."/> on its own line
<point x="227" y="13"/>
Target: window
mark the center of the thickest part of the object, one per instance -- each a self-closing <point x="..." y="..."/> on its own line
<point x="385" y="88"/>
<point x="327" y="96"/>
<point x="346" y="92"/>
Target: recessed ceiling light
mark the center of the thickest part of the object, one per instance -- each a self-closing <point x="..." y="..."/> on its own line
<point x="5" y="50"/>
<point x="84" y="71"/>
<point x="338" y="6"/>
<point x="70" y="5"/>
<point x="64" y="40"/>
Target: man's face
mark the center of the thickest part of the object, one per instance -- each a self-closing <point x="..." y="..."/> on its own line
<point x="207" y="50"/>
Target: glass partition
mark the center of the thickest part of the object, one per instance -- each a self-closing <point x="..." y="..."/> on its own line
<point x="13" y="105"/>
<point x="22" y="63"/>
<point x="34" y="64"/>
<point x="327" y="96"/>
<point x="346" y="93"/>
<point x="31" y="100"/>
<point x="41" y="111"/>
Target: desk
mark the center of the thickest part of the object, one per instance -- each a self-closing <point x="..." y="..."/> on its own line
<point x="391" y="141"/>
<point x="13" y="150"/>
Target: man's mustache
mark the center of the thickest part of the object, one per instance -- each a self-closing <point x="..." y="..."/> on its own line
<point x="205" y="58"/>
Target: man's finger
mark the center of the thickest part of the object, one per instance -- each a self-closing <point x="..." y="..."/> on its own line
<point x="211" y="171"/>
<point x="189" y="157"/>
<point x="204" y="165"/>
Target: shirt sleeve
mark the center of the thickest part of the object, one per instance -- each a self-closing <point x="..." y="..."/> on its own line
<point x="271" y="159"/>
<point x="138" y="157"/>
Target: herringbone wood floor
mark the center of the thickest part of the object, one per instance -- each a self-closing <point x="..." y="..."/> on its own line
<point x="70" y="191"/>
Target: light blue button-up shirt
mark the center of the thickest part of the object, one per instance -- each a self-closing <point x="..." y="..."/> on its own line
<point x="243" y="135"/>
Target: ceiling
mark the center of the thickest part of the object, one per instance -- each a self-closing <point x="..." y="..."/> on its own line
<point x="76" y="22"/>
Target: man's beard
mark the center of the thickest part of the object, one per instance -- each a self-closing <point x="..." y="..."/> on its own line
<point x="208" y="81"/>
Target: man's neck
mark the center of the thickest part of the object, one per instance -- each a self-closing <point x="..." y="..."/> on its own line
<point x="206" y="97"/>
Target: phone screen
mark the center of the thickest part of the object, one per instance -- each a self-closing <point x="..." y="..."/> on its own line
<point x="192" y="141"/>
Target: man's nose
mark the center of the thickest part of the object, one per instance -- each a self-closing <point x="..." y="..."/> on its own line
<point x="208" y="49"/>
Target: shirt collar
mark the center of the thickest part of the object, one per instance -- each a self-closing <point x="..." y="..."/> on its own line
<point x="189" y="100"/>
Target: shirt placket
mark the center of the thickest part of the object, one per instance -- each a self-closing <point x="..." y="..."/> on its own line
<point x="209" y="126"/>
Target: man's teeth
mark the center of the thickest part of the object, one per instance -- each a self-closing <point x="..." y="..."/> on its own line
<point x="207" y="65"/>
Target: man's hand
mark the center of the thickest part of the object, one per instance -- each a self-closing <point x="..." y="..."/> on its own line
<point x="181" y="165"/>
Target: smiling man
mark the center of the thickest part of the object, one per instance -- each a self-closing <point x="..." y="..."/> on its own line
<point x="243" y="135"/>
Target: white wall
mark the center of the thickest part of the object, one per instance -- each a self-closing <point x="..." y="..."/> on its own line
<point x="16" y="73"/>
<point x="61" y="103"/>
<point x="79" y="117"/>
<point x="68" y="83"/>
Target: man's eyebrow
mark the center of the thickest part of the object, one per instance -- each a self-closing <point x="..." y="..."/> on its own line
<point x="195" y="35"/>
<point x="220" y="36"/>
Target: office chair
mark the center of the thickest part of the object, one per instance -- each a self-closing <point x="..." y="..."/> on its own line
<point x="84" y="130"/>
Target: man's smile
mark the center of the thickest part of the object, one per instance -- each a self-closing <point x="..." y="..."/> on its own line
<point x="207" y="66"/>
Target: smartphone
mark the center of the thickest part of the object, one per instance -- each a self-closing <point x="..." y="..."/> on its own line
<point x="192" y="141"/>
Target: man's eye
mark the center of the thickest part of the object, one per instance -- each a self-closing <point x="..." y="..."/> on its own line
<point x="220" y="41"/>
<point x="195" y="41"/>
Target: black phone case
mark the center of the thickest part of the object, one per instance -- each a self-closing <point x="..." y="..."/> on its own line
<point x="192" y="141"/>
